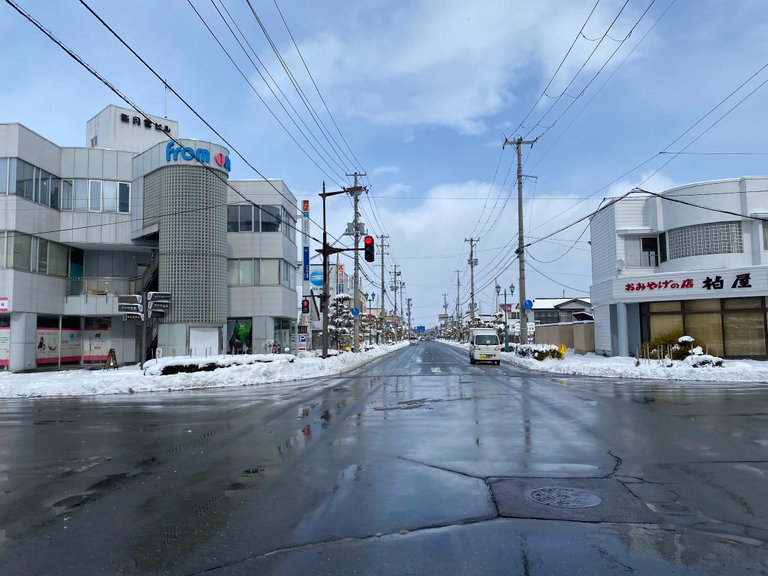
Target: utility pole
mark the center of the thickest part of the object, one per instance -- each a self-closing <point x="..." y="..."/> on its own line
<point x="355" y="192"/>
<point x="472" y="263"/>
<point x="383" y="312"/>
<point x="458" y="302"/>
<point x="409" y="302"/>
<point x="518" y="142"/>
<point x="395" y="284"/>
<point x="402" y="290"/>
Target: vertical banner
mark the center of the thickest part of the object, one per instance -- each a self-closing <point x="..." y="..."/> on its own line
<point x="305" y="237"/>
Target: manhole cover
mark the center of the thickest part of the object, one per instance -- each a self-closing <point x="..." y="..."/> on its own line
<point x="565" y="497"/>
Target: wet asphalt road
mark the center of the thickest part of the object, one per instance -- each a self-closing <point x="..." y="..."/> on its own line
<point x="418" y="463"/>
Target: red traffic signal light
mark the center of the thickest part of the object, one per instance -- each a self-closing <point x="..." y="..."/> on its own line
<point x="369" y="248"/>
<point x="305" y="306"/>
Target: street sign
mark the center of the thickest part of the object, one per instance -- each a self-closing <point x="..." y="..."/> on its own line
<point x="129" y="307"/>
<point x="316" y="278"/>
<point x="158" y="296"/>
<point x="156" y="313"/>
<point x="133" y="316"/>
<point x="527" y="304"/>
<point x="421" y="328"/>
<point x="159" y="304"/>
<point x="355" y="311"/>
<point x="129" y="299"/>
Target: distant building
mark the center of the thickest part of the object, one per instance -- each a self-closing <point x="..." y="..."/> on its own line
<point x="661" y="266"/>
<point x="138" y="210"/>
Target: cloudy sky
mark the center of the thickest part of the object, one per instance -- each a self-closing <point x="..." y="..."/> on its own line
<point x="420" y="95"/>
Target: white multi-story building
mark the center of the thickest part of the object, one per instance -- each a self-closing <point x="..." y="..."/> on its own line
<point x="138" y="210"/>
<point x="690" y="261"/>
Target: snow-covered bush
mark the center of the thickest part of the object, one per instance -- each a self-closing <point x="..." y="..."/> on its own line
<point x="679" y="349"/>
<point x="536" y="351"/>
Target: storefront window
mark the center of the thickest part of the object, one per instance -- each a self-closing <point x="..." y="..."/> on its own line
<point x="744" y="332"/>
<point x="239" y="335"/>
<point x="665" y="324"/>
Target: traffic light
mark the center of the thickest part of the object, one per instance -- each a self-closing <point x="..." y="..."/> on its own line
<point x="369" y="248"/>
<point x="305" y="306"/>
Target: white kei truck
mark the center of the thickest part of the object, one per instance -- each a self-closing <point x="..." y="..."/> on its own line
<point x="484" y="346"/>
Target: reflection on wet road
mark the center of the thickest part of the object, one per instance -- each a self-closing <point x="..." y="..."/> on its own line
<point x="416" y="463"/>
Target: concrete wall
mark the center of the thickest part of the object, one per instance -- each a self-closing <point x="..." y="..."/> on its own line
<point x="577" y="336"/>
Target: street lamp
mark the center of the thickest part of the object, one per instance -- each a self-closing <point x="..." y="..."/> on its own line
<point x="370" y="297"/>
<point x="511" y="292"/>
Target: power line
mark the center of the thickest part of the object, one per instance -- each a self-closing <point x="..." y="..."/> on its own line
<point x="588" y="84"/>
<point x="96" y="74"/>
<point x="584" y="64"/>
<point x="266" y="70"/>
<point x="559" y="66"/>
<point x="298" y="51"/>
<point x="307" y="104"/>
<point x="253" y="88"/>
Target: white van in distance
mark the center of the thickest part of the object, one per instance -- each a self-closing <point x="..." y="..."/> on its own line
<point x="484" y="346"/>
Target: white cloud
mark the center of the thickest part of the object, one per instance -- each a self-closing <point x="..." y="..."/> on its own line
<point x="380" y="170"/>
<point x="450" y="63"/>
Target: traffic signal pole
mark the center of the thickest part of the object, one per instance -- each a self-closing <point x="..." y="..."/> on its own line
<point x="355" y="192"/>
<point x="326" y="251"/>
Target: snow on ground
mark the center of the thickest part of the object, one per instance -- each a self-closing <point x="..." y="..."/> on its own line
<point x="624" y="367"/>
<point x="264" y="369"/>
<point x="283" y="367"/>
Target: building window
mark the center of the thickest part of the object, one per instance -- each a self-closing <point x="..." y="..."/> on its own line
<point x="642" y="252"/>
<point x="20" y="251"/>
<point x="240" y="218"/>
<point x="270" y="272"/>
<point x="703" y="239"/>
<point x="270" y="218"/>
<point x="731" y="327"/>
<point x="663" y="247"/>
<point x="55" y="188"/>
<point x="81" y="195"/>
<point x="241" y="272"/>
<point x="3" y="175"/>
<point x="765" y="234"/>
<point x="25" y="178"/>
<point x="288" y="274"/>
<point x="109" y="195"/>
<point x="123" y="197"/>
<point x="42" y="256"/>
<point x="94" y="196"/>
<point x="66" y="195"/>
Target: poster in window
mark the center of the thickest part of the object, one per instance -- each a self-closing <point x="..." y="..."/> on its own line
<point x="96" y="345"/>
<point x="5" y="346"/>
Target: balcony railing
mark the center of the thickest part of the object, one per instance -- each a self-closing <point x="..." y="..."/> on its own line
<point x="98" y="286"/>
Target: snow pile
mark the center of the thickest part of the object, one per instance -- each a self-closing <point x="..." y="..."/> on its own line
<point x="241" y="370"/>
<point x="626" y="367"/>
